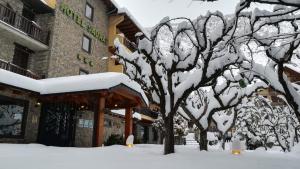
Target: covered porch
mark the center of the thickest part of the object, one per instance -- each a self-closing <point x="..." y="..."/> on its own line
<point x="100" y="102"/>
<point x="63" y="100"/>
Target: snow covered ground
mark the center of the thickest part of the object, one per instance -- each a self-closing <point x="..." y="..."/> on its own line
<point x="34" y="156"/>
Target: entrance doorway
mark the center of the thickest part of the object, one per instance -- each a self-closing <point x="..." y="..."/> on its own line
<point x="57" y="124"/>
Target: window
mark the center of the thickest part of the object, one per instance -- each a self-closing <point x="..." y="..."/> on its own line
<point x="86" y="43"/>
<point x="83" y="72"/>
<point x="89" y="11"/>
<point x="12" y="117"/>
<point x="21" y="56"/>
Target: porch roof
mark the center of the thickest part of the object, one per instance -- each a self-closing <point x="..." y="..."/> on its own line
<point x="73" y="84"/>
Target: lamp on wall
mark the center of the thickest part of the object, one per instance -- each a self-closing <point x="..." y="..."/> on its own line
<point x="38" y="104"/>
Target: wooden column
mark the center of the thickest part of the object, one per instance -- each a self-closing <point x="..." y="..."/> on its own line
<point x="128" y="122"/>
<point x="100" y="123"/>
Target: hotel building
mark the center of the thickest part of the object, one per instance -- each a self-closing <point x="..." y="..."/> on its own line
<point x="56" y="85"/>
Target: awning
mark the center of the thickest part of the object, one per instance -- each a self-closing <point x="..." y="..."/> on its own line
<point x="116" y="85"/>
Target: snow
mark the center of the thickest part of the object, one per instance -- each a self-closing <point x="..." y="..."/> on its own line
<point x="211" y="136"/>
<point x="129" y="140"/>
<point x="296" y="149"/>
<point x="34" y="156"/>
<point x="67" y="84"/>
<point x="123" y="10"/>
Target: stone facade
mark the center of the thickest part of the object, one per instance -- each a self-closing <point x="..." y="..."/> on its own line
<point x="7" y="48"/>
<point x="39" y="61"/>
<point x="84" y="134"/>
<point x="65" y="41"/>
<point x="16" y="5"/>
<point x="67" y="36"/>
<point x="32" y="116"/>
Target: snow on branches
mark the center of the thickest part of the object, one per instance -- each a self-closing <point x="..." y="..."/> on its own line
<point x="191" y="55"/>
<point x="264" y="124"/>
<point x="215" y="55"/>
<point x="269" y="46"/>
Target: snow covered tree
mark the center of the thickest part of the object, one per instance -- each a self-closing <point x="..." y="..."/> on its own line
<point x="225" y="120"/>
<point x="191" y="56"/>
<point x="293" y="3"/>
<point x="180" y="126"/>
<point x="227" y="93"/>
<point x="266" y="125"/>
<point x="271" y="43"/>
<point x="177" y="59"/>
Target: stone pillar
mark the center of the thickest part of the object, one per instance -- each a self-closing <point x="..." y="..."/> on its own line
<point x="100" y="123"/>
<point x="128" y="122"/>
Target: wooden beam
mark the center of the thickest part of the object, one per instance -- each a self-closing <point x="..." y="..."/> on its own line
<point x="100" y="123"/>
<point x="128" y="122"/>
<point x="129" y="95"/>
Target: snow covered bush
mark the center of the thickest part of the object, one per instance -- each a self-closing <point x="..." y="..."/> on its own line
<point x="209" y="103"/>
<point x="264" y="124"/>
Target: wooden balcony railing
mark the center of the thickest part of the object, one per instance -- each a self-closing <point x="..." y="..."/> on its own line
<point x="130" y="45"/>
<point x="16" y="69"/>
<point x="25" y="25"/>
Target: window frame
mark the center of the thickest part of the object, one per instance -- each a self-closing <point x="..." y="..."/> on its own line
<point x="90" y="44"/>
<point x="92" y="8"/>
<point x="24" y="116"/>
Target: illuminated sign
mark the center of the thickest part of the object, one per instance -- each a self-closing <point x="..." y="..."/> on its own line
<point x="79" y="20"/>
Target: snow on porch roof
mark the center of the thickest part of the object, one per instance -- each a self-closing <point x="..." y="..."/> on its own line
<point x="99" y="81"/>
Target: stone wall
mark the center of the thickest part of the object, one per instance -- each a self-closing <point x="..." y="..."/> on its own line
<point x="7" y="48"/>
<point x="32" y="117"/>
<point x="16" y="5"/>
<point x="67" y="40"/>
<point x="39" y="61"/>
<point x="84" y="134"/>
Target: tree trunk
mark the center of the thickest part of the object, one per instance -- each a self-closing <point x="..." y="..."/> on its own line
<point x="203" y="140"/>
<point x="296" y="135"/>
<point x="223" y="141"/>
<point x="161" y="138"/>
<point x="169" y="136"/>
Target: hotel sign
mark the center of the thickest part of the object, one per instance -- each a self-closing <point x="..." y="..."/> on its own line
<point x="85" y="60"/>
<point x="65" y="9"/>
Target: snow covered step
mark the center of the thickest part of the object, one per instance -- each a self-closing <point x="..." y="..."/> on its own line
<point x="190" y="139"/>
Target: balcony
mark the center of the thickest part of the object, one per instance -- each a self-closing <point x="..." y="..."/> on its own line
<point x="16" y="69"/>
<point x="22" y="30"/>
<point x="127" y="43"/>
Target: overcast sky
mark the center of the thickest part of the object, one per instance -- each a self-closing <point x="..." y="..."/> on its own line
<point x="149" y="12"/>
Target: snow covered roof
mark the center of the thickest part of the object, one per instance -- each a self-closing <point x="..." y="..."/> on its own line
<point x="293" y="67"/>
<point x="99" y="81"/>
<point x="123" y="10"/>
